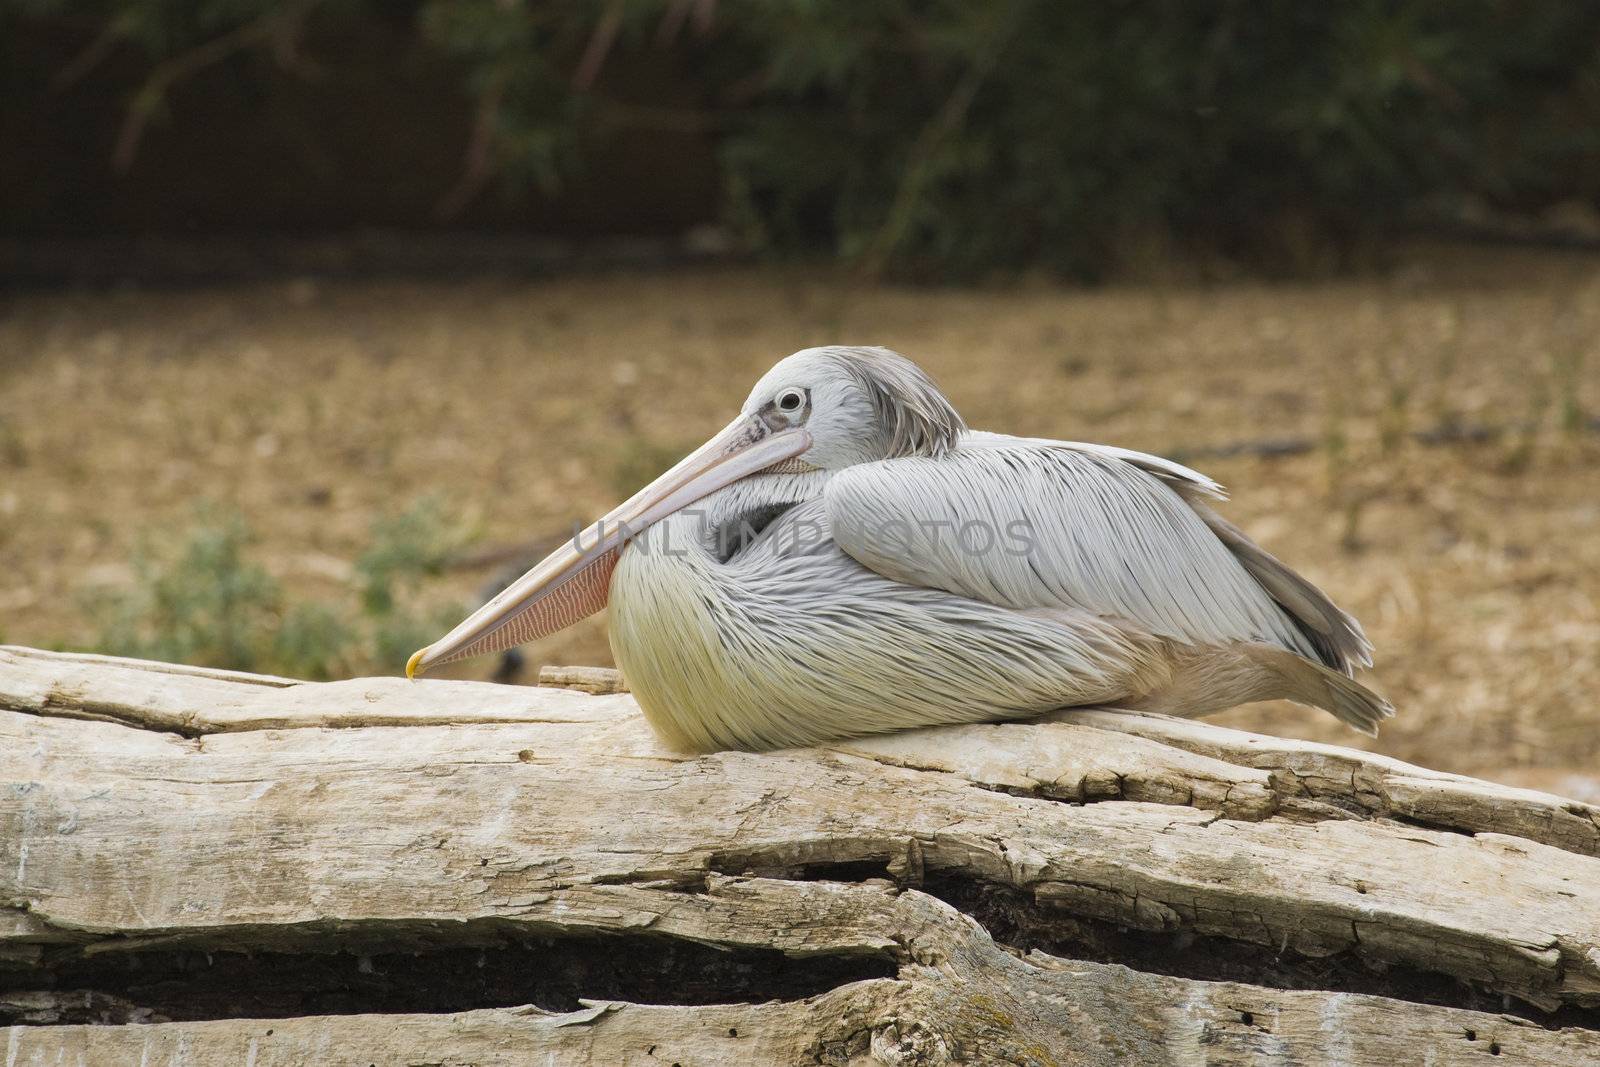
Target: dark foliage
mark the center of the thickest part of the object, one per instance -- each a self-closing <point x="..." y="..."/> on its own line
<point x="926" y="137"/>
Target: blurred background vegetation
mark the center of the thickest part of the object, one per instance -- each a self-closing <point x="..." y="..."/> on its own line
<point x="198" y="596"/>
<point x="916" y="138"/>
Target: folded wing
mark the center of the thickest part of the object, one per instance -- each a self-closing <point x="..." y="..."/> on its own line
<point x="1034" y="524"/>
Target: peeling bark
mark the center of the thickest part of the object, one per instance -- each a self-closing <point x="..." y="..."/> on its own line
<point x="256" y="870"/>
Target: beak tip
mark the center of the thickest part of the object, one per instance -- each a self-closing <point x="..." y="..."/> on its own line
<point x="413" y="664"/>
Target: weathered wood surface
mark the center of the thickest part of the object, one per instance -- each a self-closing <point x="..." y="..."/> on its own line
<point x="599" y="681"/>
<point x="162" y="815"/>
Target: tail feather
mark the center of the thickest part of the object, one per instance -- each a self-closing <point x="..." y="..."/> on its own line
<point x="1335" y="635"/>
<point x="1199" y="680"/>
<point x="1311" y="683"/>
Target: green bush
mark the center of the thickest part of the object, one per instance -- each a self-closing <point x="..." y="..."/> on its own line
<point x="937" y="138"/>
<point x="968" y="136"/>
<point x="201" y="601"/>
<point x="198" y="598"/>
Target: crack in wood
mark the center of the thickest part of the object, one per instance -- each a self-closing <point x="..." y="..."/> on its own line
<point x="1105" y="850"/>
<point x="1017" y="920"/>
<point x="477" y="969"/>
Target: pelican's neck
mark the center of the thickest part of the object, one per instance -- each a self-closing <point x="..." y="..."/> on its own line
<point x="683" y="538"/>
<point x="671" y="595"/>
<point x="719" y="525"/>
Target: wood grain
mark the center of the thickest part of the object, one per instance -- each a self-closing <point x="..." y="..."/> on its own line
<point x="1101" y="888"/>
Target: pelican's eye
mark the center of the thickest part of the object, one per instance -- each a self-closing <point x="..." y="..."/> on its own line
<point x="791" y="400"/>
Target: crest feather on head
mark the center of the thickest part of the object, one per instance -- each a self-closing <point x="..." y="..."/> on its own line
<point x="917" y="418"/>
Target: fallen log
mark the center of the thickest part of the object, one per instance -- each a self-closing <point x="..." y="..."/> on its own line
<point x="206" y="867"/>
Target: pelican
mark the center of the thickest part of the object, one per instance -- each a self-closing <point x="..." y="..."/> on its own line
<point x="846" y="558"/>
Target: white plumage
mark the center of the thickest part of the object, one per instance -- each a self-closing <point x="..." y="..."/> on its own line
<point x="719" y="655"/>
<point x="893" y="569"/>
<point x="1102" y="534"/>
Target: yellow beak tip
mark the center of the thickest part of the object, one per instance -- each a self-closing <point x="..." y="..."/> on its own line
<point x="411" y="664"/>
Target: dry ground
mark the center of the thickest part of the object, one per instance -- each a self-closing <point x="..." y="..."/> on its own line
<point x="312" y="407"/>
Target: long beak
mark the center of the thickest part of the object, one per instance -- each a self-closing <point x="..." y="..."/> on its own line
<point x="574" y="581"/>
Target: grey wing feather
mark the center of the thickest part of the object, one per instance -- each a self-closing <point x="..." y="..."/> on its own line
<point x="1184" y="479"/>
<point x="1027" y="523"/>
<point x="1338" y="638"/>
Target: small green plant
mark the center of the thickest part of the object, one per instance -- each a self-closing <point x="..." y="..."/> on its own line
<point x="201" y="599"/>
<point x="315" y="640"/>
<point x="1446" y="363"/>
<point x="203" y="602"/>
<point x="1336" y="445"/>
<point x="1394" y="418"/>
<point x="1521" y="445"/>
<point x="1342" y="491"/>
<point x="1566" y="368"/>
<point x="405" y="548"/>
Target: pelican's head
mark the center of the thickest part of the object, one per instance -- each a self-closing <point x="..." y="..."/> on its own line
<point x="858" y="405"/>
<point x="820" y="409"/>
